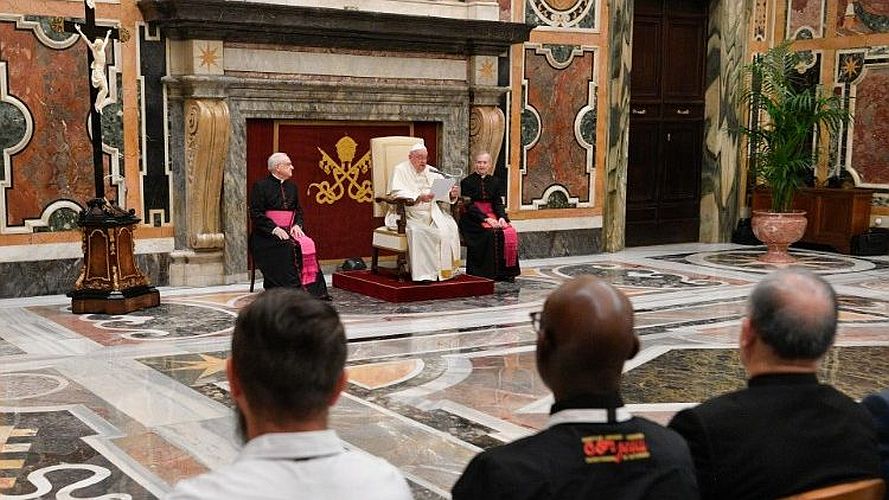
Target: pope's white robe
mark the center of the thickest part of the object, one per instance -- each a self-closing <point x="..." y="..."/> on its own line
<point x="432" y="235"/>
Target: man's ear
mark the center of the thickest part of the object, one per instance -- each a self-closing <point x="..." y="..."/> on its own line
<point x="635" y="349"/>
<point x="234" y="384"/>
<point x="339" y="387"/>
<point x="748" y="336"/>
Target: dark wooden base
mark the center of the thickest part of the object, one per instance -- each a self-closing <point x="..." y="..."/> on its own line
<point x="116" y="303"/>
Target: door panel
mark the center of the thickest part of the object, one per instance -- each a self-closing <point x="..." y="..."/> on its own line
<point x="666" y="122"/>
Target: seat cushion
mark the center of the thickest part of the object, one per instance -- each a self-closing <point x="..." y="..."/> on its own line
<point x="390" y="240"/>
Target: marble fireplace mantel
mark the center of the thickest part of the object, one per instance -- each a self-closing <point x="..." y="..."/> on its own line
<point x="324" y="27"/>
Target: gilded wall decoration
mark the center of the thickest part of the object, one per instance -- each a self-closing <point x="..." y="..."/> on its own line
<point x="487" y="125"/>
<point x="805" y="19"/>
<point x="345" y="171"/>
<point x="561" y="13"/>
<point x="863" y="77"/>
<point x="206" y="146"/>
<point x="861" y="17"/>
<point x="558" y="127"/>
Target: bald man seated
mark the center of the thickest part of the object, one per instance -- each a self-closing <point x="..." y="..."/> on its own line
<point x="785" y="433"/>
<point x="592" y="447"/>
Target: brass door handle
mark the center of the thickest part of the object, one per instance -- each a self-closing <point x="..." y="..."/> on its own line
<point x="682" y="111"/>
<point x="638" y="111"/>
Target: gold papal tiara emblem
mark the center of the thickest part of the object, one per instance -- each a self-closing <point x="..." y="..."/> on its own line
<point x="345" y="175"/>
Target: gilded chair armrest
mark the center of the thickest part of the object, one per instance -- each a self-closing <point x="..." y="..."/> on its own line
<point x="399" y="204"/>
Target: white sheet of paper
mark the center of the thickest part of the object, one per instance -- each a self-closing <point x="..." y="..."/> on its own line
<point x="441" y="188"/>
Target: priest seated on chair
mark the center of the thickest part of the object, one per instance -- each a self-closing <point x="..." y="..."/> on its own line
<point x="281" y="248"/>
<point x="432" y="235"/>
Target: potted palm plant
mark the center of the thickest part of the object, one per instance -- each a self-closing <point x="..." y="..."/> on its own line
<point x="786" y="114"/>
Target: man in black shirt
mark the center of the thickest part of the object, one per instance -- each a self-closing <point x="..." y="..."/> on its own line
<point x="785" y="433"/>
<point x="592" y="446"/>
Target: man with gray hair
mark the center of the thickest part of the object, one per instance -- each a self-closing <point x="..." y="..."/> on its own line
<point x="281" y="248"/>
<point x="785" y="433"/>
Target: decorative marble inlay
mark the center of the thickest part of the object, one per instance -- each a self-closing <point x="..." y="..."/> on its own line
<point x="760" y="19"/>
<point x="55" y="451"/>
<point x="863" y="77"/>
<point x="805" y="19"/>
<point x="550" y="163"/>
<point x="561" y="13"/>
<point x="694" y="375"/>
<point x="859" y="17"/>
<point x="54" y="112"/>
<point x="627" y="276"/>
<point x="747" y="260"/>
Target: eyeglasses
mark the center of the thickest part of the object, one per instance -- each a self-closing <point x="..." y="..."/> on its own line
<point x="535" y="320"/>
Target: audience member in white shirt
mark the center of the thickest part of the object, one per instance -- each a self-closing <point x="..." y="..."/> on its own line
<point x="286" y="369"/>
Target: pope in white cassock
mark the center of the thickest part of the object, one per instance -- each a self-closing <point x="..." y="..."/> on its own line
<point x="433" y="237"/>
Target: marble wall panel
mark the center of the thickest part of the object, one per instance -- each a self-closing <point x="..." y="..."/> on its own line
<point x="557" y="82"/>
<point x="720" y="170"/>
<point x="153" y="152"/>
<point x="870" y="133"/>
<point x="620" y="46"/>
<point x="859" y="17"/>
<point x="805" y="19"/>
<point x="51" y="78"/>
<point x="52" y="277"/>
<point x="541" y="244"/>
<point x="561" y="13"/>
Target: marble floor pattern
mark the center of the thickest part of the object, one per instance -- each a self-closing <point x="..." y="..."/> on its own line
<point x="124" y="406"/>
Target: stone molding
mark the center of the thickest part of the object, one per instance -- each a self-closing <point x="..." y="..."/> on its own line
<point x="324" y="27"/>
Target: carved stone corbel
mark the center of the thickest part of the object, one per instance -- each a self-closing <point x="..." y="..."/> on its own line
<point x="487" y="125"/>
<point x="207" y="130"/>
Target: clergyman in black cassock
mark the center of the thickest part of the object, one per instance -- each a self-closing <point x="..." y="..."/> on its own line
<point x="491" y="243"/>
<point x="281" y="260"/>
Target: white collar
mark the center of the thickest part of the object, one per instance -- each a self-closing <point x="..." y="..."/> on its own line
<point x="293" y="445"/>
<point x="588" y="416"/>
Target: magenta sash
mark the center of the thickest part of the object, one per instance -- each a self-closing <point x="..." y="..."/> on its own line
<point x="284" y="219"/>
<point x="310" y="262"/>
<point x="281" y="218"/>
<point x="510" y="238"/>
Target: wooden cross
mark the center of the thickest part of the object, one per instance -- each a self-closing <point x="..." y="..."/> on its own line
<point x="97" y="37"/>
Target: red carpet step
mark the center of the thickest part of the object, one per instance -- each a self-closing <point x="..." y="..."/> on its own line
<point x="388" y="288"/>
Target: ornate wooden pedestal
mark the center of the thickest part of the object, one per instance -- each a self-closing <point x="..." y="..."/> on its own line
<point x="109" y="281"/>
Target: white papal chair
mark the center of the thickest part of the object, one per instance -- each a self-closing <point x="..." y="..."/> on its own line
<point x="386" y="153"/>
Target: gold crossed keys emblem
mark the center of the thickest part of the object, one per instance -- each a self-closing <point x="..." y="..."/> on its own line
<point x="345" y="175"/>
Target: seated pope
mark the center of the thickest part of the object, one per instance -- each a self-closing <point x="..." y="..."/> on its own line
<point x="432" y="235"/>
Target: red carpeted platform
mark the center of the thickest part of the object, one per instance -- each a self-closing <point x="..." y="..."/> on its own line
<point x="387" y="287"/>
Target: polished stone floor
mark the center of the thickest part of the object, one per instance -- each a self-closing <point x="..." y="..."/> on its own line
<point x="125" y="406"/>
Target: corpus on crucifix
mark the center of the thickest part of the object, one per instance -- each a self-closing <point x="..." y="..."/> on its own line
<point x="98" y="79"/>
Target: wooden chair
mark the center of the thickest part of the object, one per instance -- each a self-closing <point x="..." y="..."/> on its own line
<point x="386" y="153"/>
<point x="867" y="489"/>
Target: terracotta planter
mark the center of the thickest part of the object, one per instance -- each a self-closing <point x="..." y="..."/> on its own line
<point x="778" y="231"/>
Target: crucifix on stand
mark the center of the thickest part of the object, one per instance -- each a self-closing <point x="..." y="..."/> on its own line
<point x="110" y="282"/>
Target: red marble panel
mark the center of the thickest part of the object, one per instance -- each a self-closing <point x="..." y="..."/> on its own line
<point x="557" y="95"/>
<point x="870" y="141"/>
<point x="57" y="162"/>
<point x="805" y="13"/>
<point x="876" y="11"/>
<point x="505" y="10"/>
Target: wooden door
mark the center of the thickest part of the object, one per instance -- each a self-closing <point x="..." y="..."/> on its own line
<point x="666" y="122"/>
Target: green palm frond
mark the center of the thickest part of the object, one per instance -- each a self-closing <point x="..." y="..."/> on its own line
<point x="789" y="113"/>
